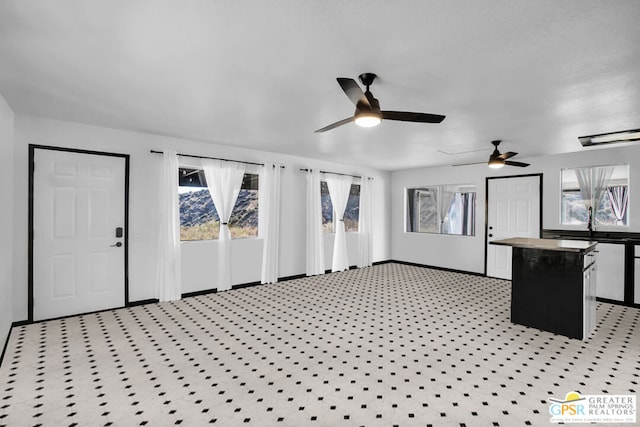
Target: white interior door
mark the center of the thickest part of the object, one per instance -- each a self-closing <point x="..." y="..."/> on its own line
<point x="513" y="211"/>
<point x="78" y="205"/>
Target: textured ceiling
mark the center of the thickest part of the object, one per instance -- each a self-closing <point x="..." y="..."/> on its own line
<point x="261" y="74"/>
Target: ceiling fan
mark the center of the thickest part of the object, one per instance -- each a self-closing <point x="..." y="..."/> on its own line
<point x="498" y="160"/>
<point x="368" y="111"/>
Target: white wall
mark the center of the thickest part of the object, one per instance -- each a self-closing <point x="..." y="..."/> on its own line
<point x="467" y="252"/>
<point x="457" y="252"/>
<point x="6" y="219"/>
<point x="199" y="258"/>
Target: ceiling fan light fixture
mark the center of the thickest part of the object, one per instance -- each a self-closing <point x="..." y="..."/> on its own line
<point x="368" y="113"/>
<point x="496" y="163"/>
<point x="368" y="120"/>
<point x="498" y="160"/>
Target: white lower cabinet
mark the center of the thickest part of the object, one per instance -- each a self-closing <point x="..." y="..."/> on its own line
<point x="610" y="274"/>
<point x="636" y="281"/>
<point x="589" y="283"/>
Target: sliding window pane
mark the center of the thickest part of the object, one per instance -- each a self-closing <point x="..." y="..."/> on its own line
<point x="444" y="209"/>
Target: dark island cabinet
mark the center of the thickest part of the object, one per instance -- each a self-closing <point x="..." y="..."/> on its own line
<point x="553" y="285"/>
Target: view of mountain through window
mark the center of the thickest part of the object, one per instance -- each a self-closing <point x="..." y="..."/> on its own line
<point x="351" y="213"/>
<point x="198" y="216"/>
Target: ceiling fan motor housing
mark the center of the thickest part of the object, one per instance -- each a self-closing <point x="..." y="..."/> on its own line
<point x="367" y="79"/>
<point x="496" y="152"/>
<point x="373" y="107"/>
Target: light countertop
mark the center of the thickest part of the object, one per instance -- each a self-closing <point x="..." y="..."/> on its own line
<point x="547" y="244"/>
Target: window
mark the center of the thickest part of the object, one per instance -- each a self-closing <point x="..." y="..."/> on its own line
<point x="198" y="217"/>
<point x="351" y="213"/>
<point x="442" y="209"/>
<point x="613" y="202"/>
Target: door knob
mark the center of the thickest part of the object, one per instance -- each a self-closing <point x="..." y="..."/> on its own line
<point x="117" y="245"/>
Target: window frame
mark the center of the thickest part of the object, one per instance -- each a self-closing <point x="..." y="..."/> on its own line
<point x="596" y="223"/>
<point x="251" y="177"/>
<point x="430" y="189"/>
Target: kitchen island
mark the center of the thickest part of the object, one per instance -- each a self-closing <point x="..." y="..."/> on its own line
<point x="553" y="285"/>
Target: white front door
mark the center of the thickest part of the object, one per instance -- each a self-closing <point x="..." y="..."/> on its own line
<point x="513" y="211"/>
<point x="78" y="212"/>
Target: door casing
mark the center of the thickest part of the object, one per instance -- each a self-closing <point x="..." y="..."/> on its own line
<point x="486" y="209"/>
<point x="30" y="262"/>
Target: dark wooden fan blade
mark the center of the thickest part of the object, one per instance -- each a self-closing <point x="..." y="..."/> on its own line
<point x="353" y="91"/>
<point x="335" y="125"/>
<point x="512" y="163"/>
<point x="507" y="155"/>
<point x="405" y="116"/>
<point x="468" y="164"/>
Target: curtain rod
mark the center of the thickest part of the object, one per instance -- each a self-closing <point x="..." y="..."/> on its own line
<point x="212" y="158"/>
<point x="334" y="173"/>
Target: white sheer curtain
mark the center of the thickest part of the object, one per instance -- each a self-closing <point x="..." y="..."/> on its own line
<point x="584" y="184"/>
<point x="339" y="188"/>
<point x="601" y="176"/>
<point x="269" y="221"/>
<point x="593" y="184"/>
<point x="224" y="180"/>
<point x="169" y="281"/>
<point x="364" y="223"/>
<point x="315" y="244"/>
<point x="444" y="198"/>
<point x="469" y="217"/>
<point x="456" y="214"/>
<point x="619" y="198"/>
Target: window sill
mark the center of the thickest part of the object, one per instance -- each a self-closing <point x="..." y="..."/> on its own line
<point x="429" y="233"/>
<point x="333" y="233"/>
<point x="604" y="228"/>
<point x="217" y="240"/>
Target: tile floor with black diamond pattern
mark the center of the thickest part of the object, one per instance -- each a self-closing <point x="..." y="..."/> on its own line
<point x="390" y="345"/>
